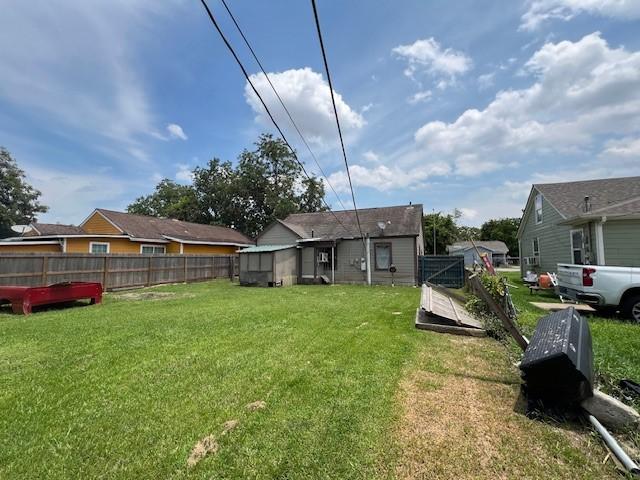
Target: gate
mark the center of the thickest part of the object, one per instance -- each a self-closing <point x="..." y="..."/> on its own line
<point x="444" y="270"/>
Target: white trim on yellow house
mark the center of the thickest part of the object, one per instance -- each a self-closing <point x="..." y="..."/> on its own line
<point x="91" y="244"/>
<point x="198" y="242"/>
<point x="142" y="245"/>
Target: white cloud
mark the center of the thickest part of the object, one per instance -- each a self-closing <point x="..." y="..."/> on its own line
<point x="184" y="173"/>
<point x="470" y="165"/>
<point x="542" y="10"/>
<point x="468" y="213"/>
<point x="75" y="70"/>
<point x="427" y="57"/>
<point x="384" y="179"/>
<point x="486" y="80"/>
<point x="421" y="96"/>
<point x="175" y="131"/>
<point x="625" y="148"/>
<point x="582" y="90"/>
<point x="307" y="97"/>
<point x="371" y="156"/>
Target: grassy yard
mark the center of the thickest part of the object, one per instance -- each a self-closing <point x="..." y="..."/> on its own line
<point x="350" y="390"/>
<point x="616" y="342"/>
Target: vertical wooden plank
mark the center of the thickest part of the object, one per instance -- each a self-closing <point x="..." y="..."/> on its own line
<point x="185" y="268"/>
<point x="149" y="273"/>
<point x="105" y="273"/>
<point x="45" y="266"/>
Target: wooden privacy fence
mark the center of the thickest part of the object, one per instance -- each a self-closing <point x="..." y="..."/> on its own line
<point x="114" y="271"/>
<point x="444" y="270"/>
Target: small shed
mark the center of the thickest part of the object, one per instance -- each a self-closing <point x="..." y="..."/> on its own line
<point x="269" y="265"/>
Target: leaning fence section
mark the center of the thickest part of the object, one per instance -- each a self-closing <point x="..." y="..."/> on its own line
<point x="444" y="270"/>
<point x="114" y="271"/>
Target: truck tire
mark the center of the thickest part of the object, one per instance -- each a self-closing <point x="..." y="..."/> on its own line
<point x="631" y="308"/>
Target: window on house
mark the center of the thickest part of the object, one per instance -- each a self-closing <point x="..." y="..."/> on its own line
<point x="538" y="208"/>
<point x="536" y="247"/>
<point x="99" y="247"/>
<point x="153" y="249"/>
<point x="577" y="247"/>
<point x="383" y="256"/>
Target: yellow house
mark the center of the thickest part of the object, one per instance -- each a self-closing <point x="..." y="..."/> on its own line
<point x="110" y="232"/>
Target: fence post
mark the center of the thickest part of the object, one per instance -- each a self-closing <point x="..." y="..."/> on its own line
<point x="149" y="272"/>
<point x="105" y="273"/>
<point x="185" y="269"/>
<point x="45" y="266"/>
<point x="232" y="267"/>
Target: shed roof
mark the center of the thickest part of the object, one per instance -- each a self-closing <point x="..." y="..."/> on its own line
<point x="607" y="196"/>
<point x="496" y="246"/>
<point x="399" y="221"/>
<point x="266" y="248"/>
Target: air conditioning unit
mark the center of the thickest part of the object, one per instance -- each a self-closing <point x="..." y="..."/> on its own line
<point x="323" y="257"/>
<point x="532" y="260"/>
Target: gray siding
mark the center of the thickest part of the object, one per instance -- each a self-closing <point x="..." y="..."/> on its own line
<point x="622" y="243"/>
<point x="308" y="260"/>
<point x="286" y="265"/>
<point x="277" y="234"/>
<point x="470" y="255"/>
<point x="553" y="239"/>
<point x="403" y="256"/>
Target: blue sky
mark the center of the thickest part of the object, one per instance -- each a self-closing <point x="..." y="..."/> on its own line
<point x="450" y="104"/>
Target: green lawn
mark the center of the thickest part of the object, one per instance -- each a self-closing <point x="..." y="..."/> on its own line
<point x="616" y="342"/>
<point x="352" y="390"/>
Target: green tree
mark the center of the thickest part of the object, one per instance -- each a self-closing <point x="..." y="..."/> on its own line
<point x="267" y="183"/>
<point x="18" y="200"/>
<point x="170" y="200"/>
<point x="446" y="232"/>
<point x="505" y="229"/>
<point x="467" y="233"/>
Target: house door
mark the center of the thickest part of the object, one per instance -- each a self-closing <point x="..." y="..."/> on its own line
<point x="577" y="247"/>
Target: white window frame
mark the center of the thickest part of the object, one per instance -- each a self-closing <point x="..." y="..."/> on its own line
<point x="91" y="244"/>
<point x="163" y="247"/>
<point x="582" y="249"/>
<point x="533" y="247"/>
<point x="535" y="208"/>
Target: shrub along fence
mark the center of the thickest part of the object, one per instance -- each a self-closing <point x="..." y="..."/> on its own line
<point x="114" y="271"/>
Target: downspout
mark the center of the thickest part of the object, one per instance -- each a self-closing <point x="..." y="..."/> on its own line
<point x="368" y="253"/>
<point x="600" y="241"/>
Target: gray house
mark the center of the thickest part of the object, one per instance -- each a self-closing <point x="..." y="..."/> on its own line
<point x="330" y="249"/>
<point x="588" y="222"/>
<point x="495" y="249"/>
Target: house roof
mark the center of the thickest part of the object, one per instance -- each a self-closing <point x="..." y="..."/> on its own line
<point x="399" y="221"/>
<point x="266" y="248"/>
<point x="43" y="229"/>
<point x="141" y="226"/>
<point x="495" y="246"/>
<point x="607" y="196"/>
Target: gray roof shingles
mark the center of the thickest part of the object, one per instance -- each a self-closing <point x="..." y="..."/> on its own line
<point x="399" y="221"/>
<point x="608" y="196"/>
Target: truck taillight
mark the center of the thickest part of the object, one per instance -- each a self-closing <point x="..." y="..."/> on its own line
<point x="587" y="281"/>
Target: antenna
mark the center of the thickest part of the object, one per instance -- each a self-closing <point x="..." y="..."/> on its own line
<point x="22" y="229"/>
<point x="382" y="225"/>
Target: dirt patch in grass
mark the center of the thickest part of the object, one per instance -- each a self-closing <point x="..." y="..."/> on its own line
<point x="206" y="446"/>
<point x="229" y="425"/>
<point x="150" y="295"/>
<point x="461" y="419"/>
<point x="257" y="405"/>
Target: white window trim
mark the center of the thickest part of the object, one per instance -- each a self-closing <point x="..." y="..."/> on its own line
<point x="164" y="248"/>
<point x="91" y="244"/>
<point x="533" y="248"/>
<point x="581" y="230"/>
<point x="535" y="209"/>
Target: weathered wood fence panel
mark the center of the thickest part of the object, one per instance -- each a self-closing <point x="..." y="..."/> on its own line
<point x="114" y="271"/>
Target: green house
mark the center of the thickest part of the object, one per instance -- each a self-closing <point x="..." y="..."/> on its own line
<point x="593" y="222"/>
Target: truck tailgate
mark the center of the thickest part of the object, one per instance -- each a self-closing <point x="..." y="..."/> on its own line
<point x="570" y="275"/>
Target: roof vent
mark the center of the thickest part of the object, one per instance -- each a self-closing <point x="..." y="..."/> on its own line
<point x="587" y="204"/>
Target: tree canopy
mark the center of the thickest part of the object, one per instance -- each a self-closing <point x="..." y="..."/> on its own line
<point x="19" y="202"/>
<point x="505" y="229"/>
<point x="265" y="184"/>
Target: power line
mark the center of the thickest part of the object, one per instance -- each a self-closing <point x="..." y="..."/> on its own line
<point x="304" y="140"/>
<point x="335" y="111"/>
<point x="275" y="124"/>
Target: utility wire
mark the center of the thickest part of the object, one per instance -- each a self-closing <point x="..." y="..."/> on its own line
<point x="275" y="124"/>
<point x="335" y="111"/>
<point x="304" y="140"/>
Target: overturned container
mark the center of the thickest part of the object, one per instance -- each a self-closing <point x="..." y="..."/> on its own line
<point x="558" y="363"/>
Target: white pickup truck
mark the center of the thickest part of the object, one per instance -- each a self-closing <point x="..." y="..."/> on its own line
<point x="602" y="287"/>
